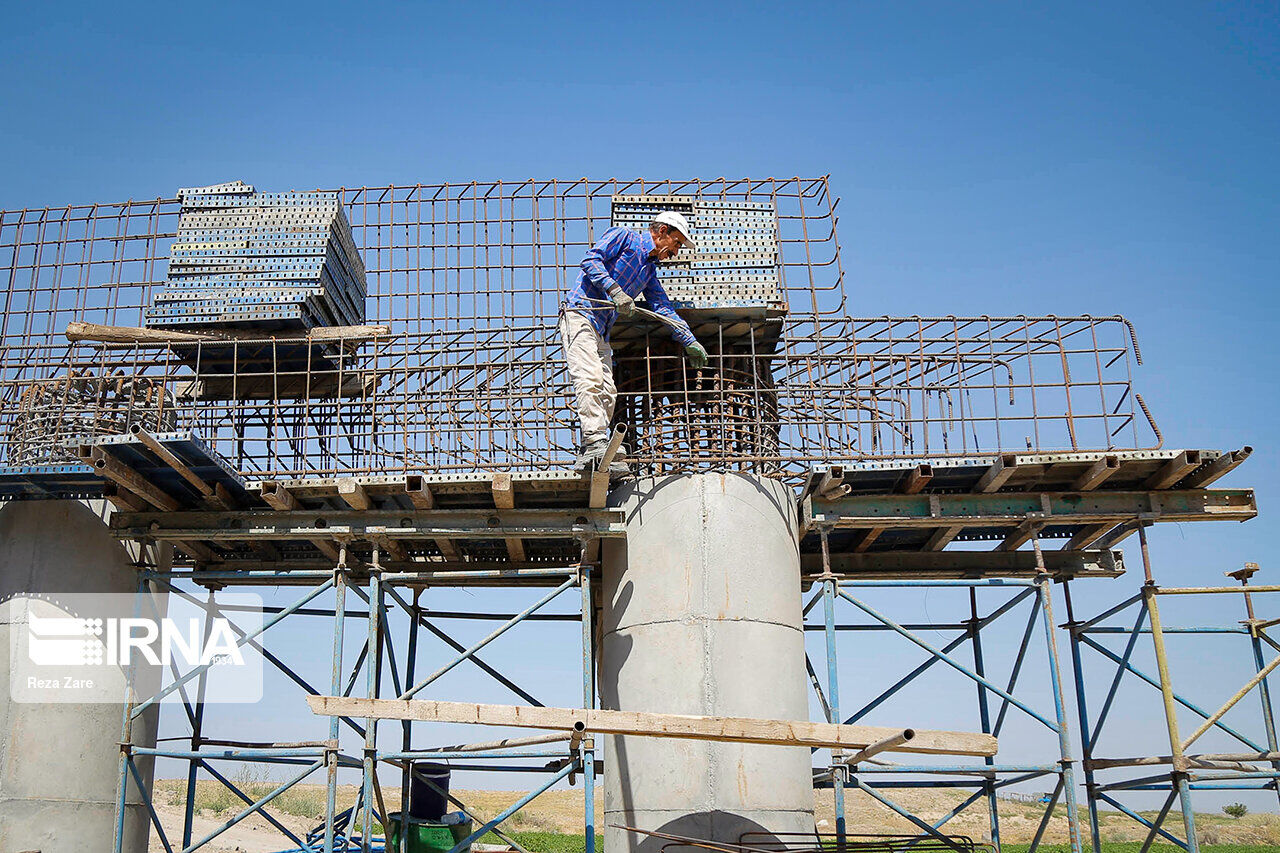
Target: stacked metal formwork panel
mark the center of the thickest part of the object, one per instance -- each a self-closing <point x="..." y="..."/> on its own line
<point x="734" y="265"/>
<point x="267" y="261"/>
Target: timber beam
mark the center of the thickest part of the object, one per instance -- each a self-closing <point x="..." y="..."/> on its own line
<point x="1012" y="509"/>
<point x="402" y="525"/>
<point x="957" y="565"/>
<point x="645" y="724"/>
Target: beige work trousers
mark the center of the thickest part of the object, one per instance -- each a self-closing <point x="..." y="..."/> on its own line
<point x="590" y="360"/>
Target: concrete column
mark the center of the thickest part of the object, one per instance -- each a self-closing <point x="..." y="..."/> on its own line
<point x="59" y="763"/>
<point x="702" y="616"/>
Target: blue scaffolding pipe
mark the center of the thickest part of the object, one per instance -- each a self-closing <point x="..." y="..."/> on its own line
<point x="951" y="646"/>
<point x="506" y="626"/>
<point x="901" y="812"/>
<point x="1115" y="682"/>
<point x="1156" y="827"/>
<point x="387" y="755"/>
<point x="513" y="808"/>
<point x="151" y="809"/>
<point x="985" y="583"/>
<point x="1177" y="697"/>
<point x="257" y="805"/>
<point x="138" y="709"/>
<point x="266" y="815"/>
<point x="954" y="664"/>
<point x="420" y="618"/>
<point x="1017" y="664"/>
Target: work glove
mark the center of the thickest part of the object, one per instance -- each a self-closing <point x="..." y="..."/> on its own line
<point x="697" y="355"/>
<point x="625" y="304"/>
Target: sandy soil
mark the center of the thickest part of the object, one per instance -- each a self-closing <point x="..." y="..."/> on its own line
<point x="561" y="811"/>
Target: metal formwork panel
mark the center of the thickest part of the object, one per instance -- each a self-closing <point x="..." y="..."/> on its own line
<point x="243" y="257"/>
<point x="736" y="255"/>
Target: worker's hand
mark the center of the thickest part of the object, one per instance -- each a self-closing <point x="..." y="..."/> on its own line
<point x="625" y="304"/>
<point x="697" y="355"/>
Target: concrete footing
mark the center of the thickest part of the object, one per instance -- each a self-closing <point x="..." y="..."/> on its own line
<point x="60" y="762"/>
<point x="701" y="615"/>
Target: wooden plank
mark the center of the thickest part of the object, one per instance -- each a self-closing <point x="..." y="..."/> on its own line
<point x="1000" y="471"/>
<point x="123" y="499"/>
<point x="941" y="538"/>
<point x="504" y="497"/>
<point x="78" y="331"/>
<point x="917" y="479"/>
<point x="419" y="492"/>
<point x="643" y="724"/>
<point x="1097" y="474"/>
<point x="1086" y="537"/>
<point x="1020" y="535"/>
<point x="167" y="457"/>
<point x="868" y="540"/>
<point x="1218" y="468"/>
<point x="278" y="497"/>
<point x="1173" y="470"/>
<point x="353" y="494"/>
<point x="122" y="475"/>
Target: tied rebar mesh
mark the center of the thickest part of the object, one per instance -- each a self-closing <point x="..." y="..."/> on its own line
<point x="469" y="279"/>
<point x="51" y="419"/>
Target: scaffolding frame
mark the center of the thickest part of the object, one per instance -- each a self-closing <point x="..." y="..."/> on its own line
<point x="988" y="778"/>
<point x="380" y="590"/>
<point x="1185" y="772"/>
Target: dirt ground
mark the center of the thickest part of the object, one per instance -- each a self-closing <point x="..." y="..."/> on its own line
<point x="561" y="811"/>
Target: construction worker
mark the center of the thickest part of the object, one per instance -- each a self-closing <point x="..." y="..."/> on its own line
<point x="617" y="269"/>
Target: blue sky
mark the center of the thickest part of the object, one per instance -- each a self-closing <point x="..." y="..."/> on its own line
<point x="992" y="158"/>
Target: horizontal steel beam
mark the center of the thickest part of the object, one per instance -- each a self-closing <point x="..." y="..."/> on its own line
<point x="1011" y="509"/>
<point x="965" y="564"/>
<point x="305" y="525"/>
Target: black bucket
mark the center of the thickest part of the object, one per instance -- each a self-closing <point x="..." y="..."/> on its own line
<point x="425" y="802"/>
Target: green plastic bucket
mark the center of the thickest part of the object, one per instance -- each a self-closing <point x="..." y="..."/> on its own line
<point x="426" y="837"/>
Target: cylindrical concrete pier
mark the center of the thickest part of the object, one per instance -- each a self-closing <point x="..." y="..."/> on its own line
<point x="701" y="615"/>
<point x="60" y="762"/>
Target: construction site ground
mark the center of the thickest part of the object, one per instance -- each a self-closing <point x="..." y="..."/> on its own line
<point x="552" y="823"/>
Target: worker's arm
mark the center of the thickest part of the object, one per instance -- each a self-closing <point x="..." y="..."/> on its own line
<point x="606" y="250"/>
<point x="660" y="304"/>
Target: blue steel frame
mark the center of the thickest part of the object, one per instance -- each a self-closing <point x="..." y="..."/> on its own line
<point x="987" y="778"/>
<point x="575" y="755"/>
<point x="1185" y="773"/>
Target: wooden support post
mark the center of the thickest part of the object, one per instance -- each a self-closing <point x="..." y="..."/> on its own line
<point x="354" y="494"/>
<point x="278" y="497"/>
<point x="999" y="472"/>
<point x="504" y="497"/>
<point x="421" y="497"/>
<point x="419" y="492"/>
<point x="917" y="479"/>
<point x="123" y="499"/>
<point x="167" y="457"/>
<point x="941" y="538"/>
<point x="1173" y="470"/>
<point x="1217" y="469"/>
<point x="643" y="724"/>
<point x="1021" y="534"/>
<point x="1086" y="537"/>
<point x="1098" y="473"/>
<point x="122" y="475"/>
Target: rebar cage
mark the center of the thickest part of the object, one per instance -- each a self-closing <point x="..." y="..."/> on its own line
<point x="468" y="279"/>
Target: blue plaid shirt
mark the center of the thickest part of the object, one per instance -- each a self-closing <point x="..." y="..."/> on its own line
<point x="622" y="257"/>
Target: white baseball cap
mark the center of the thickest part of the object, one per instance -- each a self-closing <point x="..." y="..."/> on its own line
<point x="678" y="222"/>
